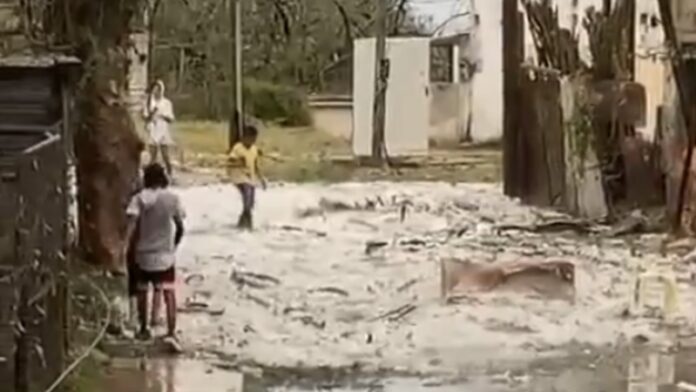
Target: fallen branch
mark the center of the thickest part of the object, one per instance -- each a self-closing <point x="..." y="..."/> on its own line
<point x="396" y="314"/>
<point x="258" y="301"/>
<point x="303" y="230"/>
<point x="330" y="290"/>
<point x="407" y="285"/>
<point x="372" y="246"/>
<point x="254" y="280"/>
<point x="580" y="227"/>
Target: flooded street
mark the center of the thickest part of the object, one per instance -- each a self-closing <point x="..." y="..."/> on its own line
<point x="348" y="277"/>
<point x="640" y="373"/>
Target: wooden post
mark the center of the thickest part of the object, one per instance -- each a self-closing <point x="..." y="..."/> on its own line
<point x="236" y="120"/>
<point x="511" y="74"/>
<point x="684" y="83"/>
<point x="381" y="79"/>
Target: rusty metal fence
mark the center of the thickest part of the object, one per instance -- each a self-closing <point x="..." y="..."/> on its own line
<point x="33" y="265"/>
<point x="538" y="173"/>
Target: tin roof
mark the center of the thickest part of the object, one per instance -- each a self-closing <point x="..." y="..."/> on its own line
<point x="38" y="61"/>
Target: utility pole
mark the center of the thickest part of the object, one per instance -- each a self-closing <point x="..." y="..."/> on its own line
<point x="381" y="80"/>
<point x="236" y="121"/>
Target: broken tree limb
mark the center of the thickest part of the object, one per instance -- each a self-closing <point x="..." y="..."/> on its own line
<point x="253" y="280"/>
<point x="396" y="314"/>
<point x="372" y="246"/>
<point x="330" y="290"/>
<point x="580" y="227"/>
<point x="407" y="285"/>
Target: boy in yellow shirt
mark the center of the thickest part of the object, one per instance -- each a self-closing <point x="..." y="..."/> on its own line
<point x="244" y="164"/>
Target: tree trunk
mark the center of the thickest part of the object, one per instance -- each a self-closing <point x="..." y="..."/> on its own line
<point x="107" y="145"/>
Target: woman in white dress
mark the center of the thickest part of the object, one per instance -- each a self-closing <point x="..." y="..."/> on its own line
<point x="159" y="115"/>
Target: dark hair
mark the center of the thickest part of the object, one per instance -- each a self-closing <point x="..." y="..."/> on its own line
<point x="154" y="176"/>
<point x="250" y="132"/>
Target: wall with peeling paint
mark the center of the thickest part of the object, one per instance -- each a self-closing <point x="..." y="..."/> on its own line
<point x="11" y="38"/>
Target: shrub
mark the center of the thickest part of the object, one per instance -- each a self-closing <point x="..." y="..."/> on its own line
<point x="278" y="103"/>
<point x="266" y="101"/>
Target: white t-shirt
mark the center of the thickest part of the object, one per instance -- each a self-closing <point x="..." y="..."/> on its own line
<point x="155" y="210"/>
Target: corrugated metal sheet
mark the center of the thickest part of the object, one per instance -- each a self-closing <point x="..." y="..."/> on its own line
<point x="28" y="97"/>
<point x="33" y="211"/>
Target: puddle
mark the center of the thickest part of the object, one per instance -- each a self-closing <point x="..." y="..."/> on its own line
<point x="641" y="372"/>
<point x="169" y="375"/>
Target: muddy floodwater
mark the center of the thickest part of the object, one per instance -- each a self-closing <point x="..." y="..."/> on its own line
<point x="648" y="371"/>
<point x="348" y="277"/>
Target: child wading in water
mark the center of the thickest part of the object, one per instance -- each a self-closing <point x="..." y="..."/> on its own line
<point x="244" y="162"/>
<point x="158" y="215"/>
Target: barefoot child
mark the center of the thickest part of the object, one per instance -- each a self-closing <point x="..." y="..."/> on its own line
<point x="158" y="215"/>
<point x="244" y="162"/>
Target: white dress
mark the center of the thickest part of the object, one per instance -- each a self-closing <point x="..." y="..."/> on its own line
<point x="158" y="127"/>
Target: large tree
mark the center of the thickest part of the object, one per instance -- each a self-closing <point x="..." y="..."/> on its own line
<point x="106" y="144"/>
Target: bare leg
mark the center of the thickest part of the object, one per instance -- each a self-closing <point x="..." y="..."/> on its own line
<point x="142" y="313"/>
<point x="170" y="301"/>
<point x="156" y="306"/>
<point x="153" y="153"/>
<point x="166" y="158"/>
<point x="133" y="310"/>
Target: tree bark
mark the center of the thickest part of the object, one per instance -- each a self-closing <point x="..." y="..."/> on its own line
<point x="107" y="146"/>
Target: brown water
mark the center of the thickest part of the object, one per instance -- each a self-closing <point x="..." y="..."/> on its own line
<point x="639" y="372"/>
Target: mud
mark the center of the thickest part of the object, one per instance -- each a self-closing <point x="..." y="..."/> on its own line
<point x="640" y="370"/>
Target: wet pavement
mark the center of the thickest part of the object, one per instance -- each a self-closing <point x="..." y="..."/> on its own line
<point x="647" y="371"/>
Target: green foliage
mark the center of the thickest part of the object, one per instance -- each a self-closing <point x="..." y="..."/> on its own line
<point x="286" y="43"/>
<point x="280" y="104"/>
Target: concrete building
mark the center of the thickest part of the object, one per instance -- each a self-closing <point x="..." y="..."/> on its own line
<point x="444" y="91"/>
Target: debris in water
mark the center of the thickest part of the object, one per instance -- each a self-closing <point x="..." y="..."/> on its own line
<point x="580" y="227"/>
<point x="396" y="314"/>
<point x="330" y="290"/>
<point x="309" y="320"/>
<point x="258" y="301"/>
<point x="372" y="246"/>
<point x="407" y="285"/>
<point x="253" y="280"/>
<point x="194" y="279"/>
<point x="530" y="275"/>
<point x="317" y="233"/>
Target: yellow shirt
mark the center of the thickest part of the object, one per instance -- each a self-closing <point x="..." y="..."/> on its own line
<point x="243" y="163"/>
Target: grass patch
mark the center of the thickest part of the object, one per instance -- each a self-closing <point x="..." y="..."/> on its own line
<point x="291" y="154"/>
<point x="303" y="155"/>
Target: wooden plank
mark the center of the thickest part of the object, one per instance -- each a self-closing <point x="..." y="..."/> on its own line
<point x="512" y="175"/>
<point x="585" y="195"/>
<point x="7" y="336"/>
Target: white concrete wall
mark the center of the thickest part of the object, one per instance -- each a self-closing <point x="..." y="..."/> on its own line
<point x="487" y="83"/>
<point x="334" y="118"/>
<point x="448" y="111"/>
<point x="407" y="101"/>
<point x="650" y="62"/>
